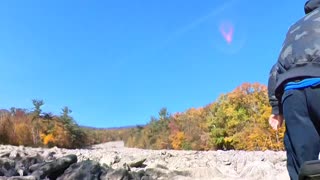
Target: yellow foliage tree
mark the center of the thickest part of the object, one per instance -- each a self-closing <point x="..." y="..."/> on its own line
<point x="177" y="140"/>
<point x="47" y="139"/>
<point x="239" y="120"/>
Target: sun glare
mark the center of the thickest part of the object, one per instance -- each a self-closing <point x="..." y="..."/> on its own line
<point x="227" y="30"/>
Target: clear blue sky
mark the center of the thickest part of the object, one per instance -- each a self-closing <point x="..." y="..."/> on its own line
<point x="117" y="63"/>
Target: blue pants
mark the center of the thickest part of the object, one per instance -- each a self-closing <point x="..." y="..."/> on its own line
<point x="301" y="110"/>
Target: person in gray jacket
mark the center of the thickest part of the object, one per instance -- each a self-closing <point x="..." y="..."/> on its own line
<point x="294" y="89"/>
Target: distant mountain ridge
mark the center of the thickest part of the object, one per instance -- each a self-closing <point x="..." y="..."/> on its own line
<point x="112" y="128"/>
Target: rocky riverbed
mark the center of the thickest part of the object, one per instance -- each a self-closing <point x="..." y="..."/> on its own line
<point x="114" y="161"/>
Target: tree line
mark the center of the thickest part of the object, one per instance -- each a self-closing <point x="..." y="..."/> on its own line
<point x="236" y="120"/>
<point x="41" y="129"/>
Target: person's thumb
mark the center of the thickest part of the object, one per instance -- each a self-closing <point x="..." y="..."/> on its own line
<point x="273" y="122"/>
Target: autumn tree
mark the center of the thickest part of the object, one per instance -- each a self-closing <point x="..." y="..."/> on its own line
<point x="239" y="120"/>
<point x="76" y="135"/>
<point x="37" y="107"/>
<point x="189" y="130"/>
<point x="154" y="135"/>
<point x="36" y="128"/>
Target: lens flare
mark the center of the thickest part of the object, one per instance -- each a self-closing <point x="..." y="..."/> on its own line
<point x="227" y="30"/>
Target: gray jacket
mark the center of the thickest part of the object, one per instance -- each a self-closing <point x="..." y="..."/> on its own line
<point x="300" y="55"/>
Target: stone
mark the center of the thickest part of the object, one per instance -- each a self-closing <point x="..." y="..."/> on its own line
<point x="83" y="170"/>
<point x="122" y="174"/>
<point x="55" y="168"/>
<point x="138" y="163"/>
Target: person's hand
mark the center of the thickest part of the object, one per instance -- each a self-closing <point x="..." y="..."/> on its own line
<point x="275" y="121"/>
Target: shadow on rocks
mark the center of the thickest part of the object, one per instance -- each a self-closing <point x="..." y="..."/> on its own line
<point x="91" y="170"/>
<point x="162" y="172"/>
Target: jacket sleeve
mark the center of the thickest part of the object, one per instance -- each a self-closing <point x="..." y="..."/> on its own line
<point x="274" y="102"/>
